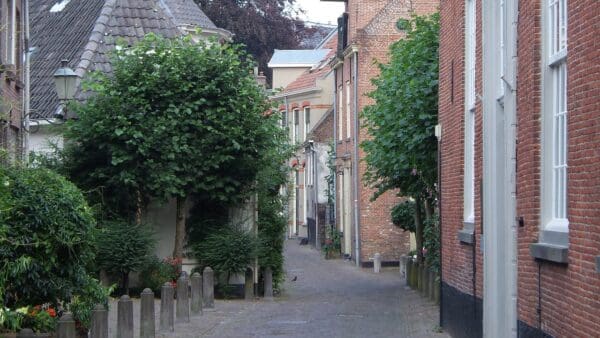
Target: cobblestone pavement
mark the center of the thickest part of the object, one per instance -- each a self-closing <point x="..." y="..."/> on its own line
<point x="329" y="298"/>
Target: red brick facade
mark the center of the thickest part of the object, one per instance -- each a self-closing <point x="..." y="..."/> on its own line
<point x="11" y="79"/>
<point x="567" y="304"/>
<point x="371" y="29"/>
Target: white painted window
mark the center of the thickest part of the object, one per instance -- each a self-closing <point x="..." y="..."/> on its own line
<point x="10" y="33"/>
<point x="296" y="125"/>
<point x="348" y="111"/>
<point x="306" y="122"/>
<point x="469" y="139"/>
<point x="340" y="116"/>
<point x="554" y="116"/>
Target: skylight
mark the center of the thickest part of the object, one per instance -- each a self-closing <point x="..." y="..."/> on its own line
<point x="59" y="6"/>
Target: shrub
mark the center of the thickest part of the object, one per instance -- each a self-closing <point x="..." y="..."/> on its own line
<point x="90" y="294"/>
<point x="403" y="215"/>
<point x="46" y="237"/>
<point x="228" y="250"/>
<point x="123" y="247"/>
<point x="156" y="272"/>
<point x="431" y="242"/>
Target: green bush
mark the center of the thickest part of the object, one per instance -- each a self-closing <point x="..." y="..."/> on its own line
<point x="431" y="242"/>
<point x="228" y="250"/>
<point x="90" y="294"/>
<point x="46" y="237"/>
<point x="403" y="215"/>
<point x="123" y="247"/>
<point x="156" y="273"/>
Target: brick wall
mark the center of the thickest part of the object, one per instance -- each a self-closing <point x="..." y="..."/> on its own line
<point x="372" y="27"/>
<point x="570" y="294"/>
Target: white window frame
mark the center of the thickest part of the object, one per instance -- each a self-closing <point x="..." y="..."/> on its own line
<point x="554" y="201"/>
<point x="306" y="122"/>
<point x="296" y="127"/>
<point x="469" y="111"/>
<point x="340" y="130"/>
<point x="348" y="110"/>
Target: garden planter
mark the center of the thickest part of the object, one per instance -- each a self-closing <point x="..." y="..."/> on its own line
<point x="419" y="277"/>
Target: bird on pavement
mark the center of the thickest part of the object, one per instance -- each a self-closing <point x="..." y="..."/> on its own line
<point x="295" y="278"/>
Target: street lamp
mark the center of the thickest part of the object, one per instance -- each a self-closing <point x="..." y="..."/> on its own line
<point x="65" y="81"/>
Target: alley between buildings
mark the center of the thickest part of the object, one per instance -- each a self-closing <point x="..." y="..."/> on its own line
<point x="320" y="298"/>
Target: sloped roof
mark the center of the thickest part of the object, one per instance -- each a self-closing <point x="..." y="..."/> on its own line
<point x="85" y="31"/>
<point x="297" y="57"/>
<point x="308" y="79"/>
<point x="186" y="12"/>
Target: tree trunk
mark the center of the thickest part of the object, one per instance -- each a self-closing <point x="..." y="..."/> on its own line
<point x="180" y="227"/>
<point x="419" y="229"/>
<point x="125" y="282"/>
<point x="428" y="209"/>
<point x="138" y="209"/>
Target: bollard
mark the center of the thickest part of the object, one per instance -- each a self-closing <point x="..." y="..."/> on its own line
<point x="377" y="262"/>
<point x="99" y="327"/>
<point x="268" y="279"/>
<point x="26" y="333"/>
<point x="167" y="313"/>
<point x="196" y="283"/>
<point x="147" y="326"/>
<point x="403" y="266"/>
<point x="431" y="282"/>
<point x="183" y="300"/>
<point x="125" y="317"/>
<point x="249" y="284"/>
<point x="208" y="288"/>
<point x="66" y="326"/>
<point x="409" y="267"/>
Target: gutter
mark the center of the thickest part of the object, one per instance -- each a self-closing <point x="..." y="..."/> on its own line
<point x="26" y="92"/>
<point x="355" y="164"/>
<point x="285" y="95"/>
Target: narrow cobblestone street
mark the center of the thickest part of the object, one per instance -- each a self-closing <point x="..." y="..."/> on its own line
<point x="329" y="298"/>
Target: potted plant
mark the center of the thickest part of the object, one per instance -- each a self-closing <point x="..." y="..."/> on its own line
<point x="42" y="319"/>
<point x="332" y="244"/>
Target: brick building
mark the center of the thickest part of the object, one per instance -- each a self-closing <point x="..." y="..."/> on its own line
<point x="520" y="190"/>
<point x="13" y="79"/>
<point x="365" y="31"/>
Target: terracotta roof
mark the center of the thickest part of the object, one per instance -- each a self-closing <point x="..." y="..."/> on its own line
<point x="85" y="31"/>
<point x="308" y="79"/>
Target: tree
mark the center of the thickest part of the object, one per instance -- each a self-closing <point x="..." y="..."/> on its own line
<point x="262" y="25"/>
<point x="175" y="118"/>
<point x="402" y="151"/>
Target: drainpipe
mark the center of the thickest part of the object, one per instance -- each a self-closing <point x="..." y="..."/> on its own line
<point x="335" y="145"/>
<point x="316" y="189"/>
<point x="294" y="225"/>
<point x="26" y="92"/>
<point x="355" y="164"/>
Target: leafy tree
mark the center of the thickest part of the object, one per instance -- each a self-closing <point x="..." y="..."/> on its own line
<point x="175" y="118"/>
<point x="262" y="25"/>
<point x="402" y="151"/>
<point x="123" y="247"/>
<point x="46" y="237"/>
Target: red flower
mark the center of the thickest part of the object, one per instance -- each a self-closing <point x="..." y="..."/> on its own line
<point x="51" y="312"/>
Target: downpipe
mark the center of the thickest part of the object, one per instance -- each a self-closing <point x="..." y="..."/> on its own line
<point x="355" y="160"/>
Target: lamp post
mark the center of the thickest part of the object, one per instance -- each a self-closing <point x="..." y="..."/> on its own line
<point x="65" y="82"/>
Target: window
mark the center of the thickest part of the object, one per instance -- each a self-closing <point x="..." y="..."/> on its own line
<point x="348" y="115"/>
<point x="554" y="116"/>
<point x="340" y="116"/>
<point x="296" y="125"/>
<point x="283" y="119"/>
<point x="11" y="33"/>
<point x="306" y="122"/>
<point x="469" y="138"/>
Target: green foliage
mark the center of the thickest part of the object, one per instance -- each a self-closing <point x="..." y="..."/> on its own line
<point x="11" y="320"/>
<point x="157" y="272"/>
<point x="91" y="294"/>
<point x="123" y="247"/>
<point x="403" y="215"/>
<point x="175" y="118"/>
<point x="431" y="242"/>
<point x="46" y="237"/>
<point x="228" y="250"/>
<point x="402" y="151"/>
<point x="333" y="242"/>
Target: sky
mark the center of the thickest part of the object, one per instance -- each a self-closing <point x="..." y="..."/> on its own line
<point x="321" y="11"/>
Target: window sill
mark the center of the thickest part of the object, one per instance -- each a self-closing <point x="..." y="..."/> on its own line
<point x="467" y="234"/>
<point x="550" y="252"/>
